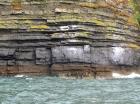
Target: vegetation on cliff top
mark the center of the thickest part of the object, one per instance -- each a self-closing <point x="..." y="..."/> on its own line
<point x="137" y="9"/>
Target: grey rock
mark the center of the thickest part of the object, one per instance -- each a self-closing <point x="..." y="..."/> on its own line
<point x="7" y="53"/>
<point x="43" y="56"/>
<point x="122" y="56"/>
<point x="71" y="54"/>
<point x="25" y="55"/>
<point x="3" y="62"/>
<point x="41" y="62"/>
<point x="100" y="56"/>
<point x="25" y="62"/>
<point x="11" y="62"/>
<point x="137" y="58"/>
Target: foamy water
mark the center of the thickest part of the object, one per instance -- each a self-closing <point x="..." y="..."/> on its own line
<point x="132" y="75"/>
<point x="19" y="76"/>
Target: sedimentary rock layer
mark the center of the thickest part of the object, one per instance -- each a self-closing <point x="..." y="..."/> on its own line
<point x="68" y="37"/>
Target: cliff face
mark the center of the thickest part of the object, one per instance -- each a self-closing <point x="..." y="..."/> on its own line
<point x="68" y="37"/>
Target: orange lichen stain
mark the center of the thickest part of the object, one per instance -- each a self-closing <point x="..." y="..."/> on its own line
<point x="16" y="5"/>
<point x="114" y="8"/>
<point x="132" y="45"/>
<point x="132" y="21"/>
<point x="92" y="5"/>
<point x="117" y="2"/>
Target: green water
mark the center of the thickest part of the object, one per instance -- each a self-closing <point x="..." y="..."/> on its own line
<point x="52" y="90"/>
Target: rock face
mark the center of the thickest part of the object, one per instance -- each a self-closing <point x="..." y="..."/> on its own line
<point x="82" y="38"/>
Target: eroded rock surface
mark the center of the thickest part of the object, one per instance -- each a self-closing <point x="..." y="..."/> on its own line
<point x="85" y="38"/>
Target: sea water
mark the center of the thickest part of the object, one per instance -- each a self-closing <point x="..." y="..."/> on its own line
<point x="22" y="89"/>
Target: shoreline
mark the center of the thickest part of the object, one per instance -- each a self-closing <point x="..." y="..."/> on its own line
<point x="79" y="71"/>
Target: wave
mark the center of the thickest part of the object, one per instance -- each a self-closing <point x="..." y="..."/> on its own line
<point x="132" y="75"/>
<point x="23" y="76"/>
<point x="19" y="76"/>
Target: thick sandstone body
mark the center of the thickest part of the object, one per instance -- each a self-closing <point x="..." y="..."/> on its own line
<point x="68" y="37"/>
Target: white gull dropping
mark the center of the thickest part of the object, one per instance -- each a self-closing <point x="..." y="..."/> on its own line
<point x="64" y="28"/>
